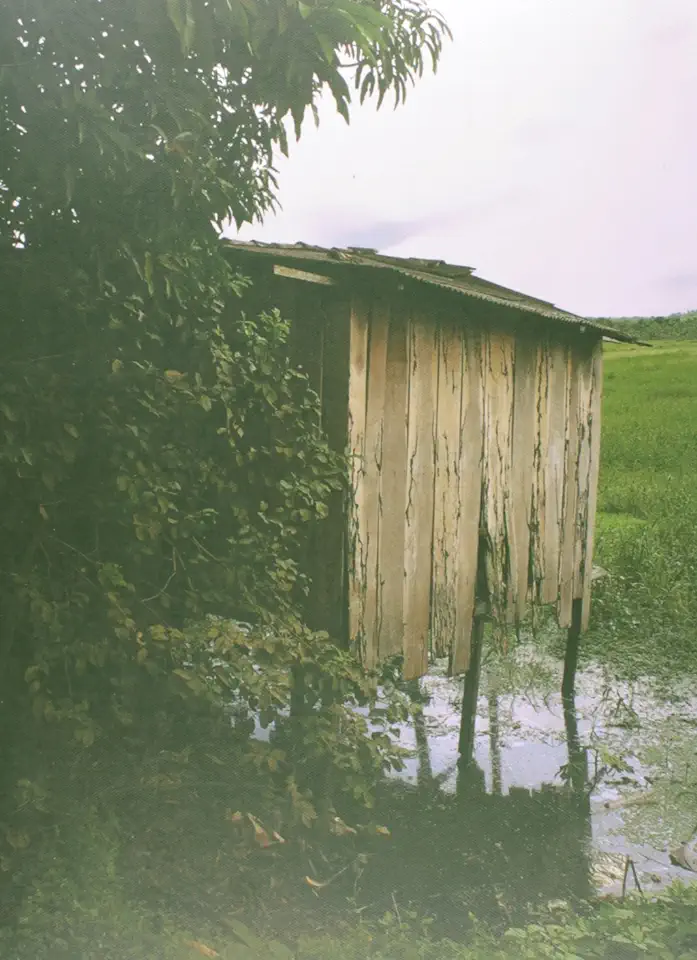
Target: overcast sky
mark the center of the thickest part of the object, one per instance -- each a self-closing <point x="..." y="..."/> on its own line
<point x="555" y="152"/>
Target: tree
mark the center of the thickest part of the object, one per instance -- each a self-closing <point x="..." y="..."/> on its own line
<point x="161" y="462"/>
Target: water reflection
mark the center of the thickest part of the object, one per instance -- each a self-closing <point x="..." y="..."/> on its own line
<point x="529" y="818"/>
<point x="477" y="848"/>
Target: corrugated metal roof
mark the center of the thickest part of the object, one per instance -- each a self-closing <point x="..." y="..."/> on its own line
<point x="434" y="272"/>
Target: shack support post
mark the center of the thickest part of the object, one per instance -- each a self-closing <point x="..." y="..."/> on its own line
<point x="573" y="638"/>
<point x="471" y="691"/>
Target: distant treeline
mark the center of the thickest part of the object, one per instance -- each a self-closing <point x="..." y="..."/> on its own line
<point x="677" y="326"/>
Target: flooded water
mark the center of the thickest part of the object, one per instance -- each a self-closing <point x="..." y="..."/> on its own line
<point x="522" y="749"/>
<point x="555" y="807"/>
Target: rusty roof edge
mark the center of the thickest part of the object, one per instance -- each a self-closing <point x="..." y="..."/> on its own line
<point x="518" y="301"/>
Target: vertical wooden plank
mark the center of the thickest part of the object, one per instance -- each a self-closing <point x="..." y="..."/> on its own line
<point x="372" y="477"/>
<point x="329" y="594"/>
<point x="446" y="490"/>
<point x="498" y="448"/>
<point x="524" y="411"/>
<point x="419" y="508"/>
<point x="469" y="495"/>
<point x="566" y="561"/>
<point x="470" y="694"/>
<point x="394" y="487"/>
<point x="539" y="499"/>
<point x="594" y="423"/>
<point x="286" y="299"/>
<point x="308" y="327"/>
<point x="584" y="375"/>
<point x="554" y="469"/>
<point x="358" y="398"/>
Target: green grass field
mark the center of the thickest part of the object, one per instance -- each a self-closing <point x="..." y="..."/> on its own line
<point x="645" y="618"/>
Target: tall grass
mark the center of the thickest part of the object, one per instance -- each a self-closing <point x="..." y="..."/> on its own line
<point x="645" y="616"/>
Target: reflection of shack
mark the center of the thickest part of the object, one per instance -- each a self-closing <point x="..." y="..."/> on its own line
<point x="473" y="416"/>
<point x="491" y="854"/>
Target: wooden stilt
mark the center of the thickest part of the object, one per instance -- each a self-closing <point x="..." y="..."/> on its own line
<point x="471" y="692"/>
<point x="578" y="760"/>
<point x="471" y="782"/>
<point x="573" y="638"/>
<point x="494" y="742"/>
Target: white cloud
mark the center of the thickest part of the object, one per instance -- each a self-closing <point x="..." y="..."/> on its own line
<point x="554" y="151"/>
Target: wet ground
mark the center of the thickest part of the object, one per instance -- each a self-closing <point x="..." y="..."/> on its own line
<point x="557" y="807"/>
<point x="639" y="766"/>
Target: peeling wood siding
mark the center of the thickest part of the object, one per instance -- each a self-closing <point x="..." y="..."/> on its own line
<point x="570" y="492"/>
<point x="524" y="419"/>
<point x="447" y="490"/>
<point x="469" y="495"/>
<point x="394" y="488"/>
<point x="357" y="518"/>
<point x="540" y="457"/>
<point x="372" y="477"/>
<point x="418" y="552"/>
<point x="584" y="374"/>
<point x="554" y="469"/>
<point x="498" y="365"/>
<point x="594" y="426"/>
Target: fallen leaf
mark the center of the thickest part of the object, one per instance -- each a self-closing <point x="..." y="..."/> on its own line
<point x="315" y="884"/>
<point x="339" y="828"/>
<point x="260" y="835"/>
<point x="18" y="839"/>
<point x="202" y="948"/>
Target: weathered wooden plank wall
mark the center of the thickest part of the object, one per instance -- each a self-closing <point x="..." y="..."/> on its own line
<point x="454" y="425"/>
<point x="453" y="430"/>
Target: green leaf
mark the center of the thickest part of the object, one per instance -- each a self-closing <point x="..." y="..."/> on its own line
<point x="69" y="185"/>
<point x="148" y="273"/>
<point x="243" y="932"/>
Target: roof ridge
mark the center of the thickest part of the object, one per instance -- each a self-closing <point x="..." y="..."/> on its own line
<point x="460" y="280"/>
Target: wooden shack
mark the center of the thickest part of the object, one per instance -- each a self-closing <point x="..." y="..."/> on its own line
<point x="472" y="416"/>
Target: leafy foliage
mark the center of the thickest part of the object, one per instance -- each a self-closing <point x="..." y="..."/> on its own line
<point x="161" y="455"/>
<point x="664" y="927"/>
<point x="677" y="326"/>
<point x="162" y="467"/>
